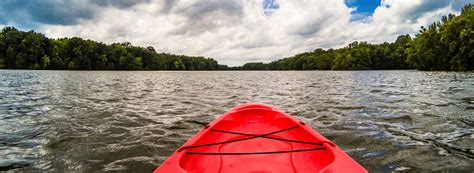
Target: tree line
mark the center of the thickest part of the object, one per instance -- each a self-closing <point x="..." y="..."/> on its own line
<point x="31" y="50"/>
<point x="444" y="45"/>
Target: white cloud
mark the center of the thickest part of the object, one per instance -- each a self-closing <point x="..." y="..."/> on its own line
<point x="238" y="31"/>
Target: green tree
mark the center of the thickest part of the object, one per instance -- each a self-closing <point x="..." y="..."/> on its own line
<point x="56" y="60"/>
<point x="45" y="62"/>
<point x="178" y="65"/>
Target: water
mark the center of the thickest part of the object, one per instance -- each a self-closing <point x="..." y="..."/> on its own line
<point x="131" y="121"/>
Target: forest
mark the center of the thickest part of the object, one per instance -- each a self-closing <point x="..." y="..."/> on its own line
<point x="444" y="45"/>
<point x="31" y="50"/>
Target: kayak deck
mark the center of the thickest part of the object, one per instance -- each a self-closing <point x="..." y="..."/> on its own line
<point x="257" y="139"/>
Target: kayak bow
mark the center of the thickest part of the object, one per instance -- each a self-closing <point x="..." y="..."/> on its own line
<point x="258" y="138"/>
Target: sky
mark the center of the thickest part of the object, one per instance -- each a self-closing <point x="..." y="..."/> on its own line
<point x="231" y="31"/>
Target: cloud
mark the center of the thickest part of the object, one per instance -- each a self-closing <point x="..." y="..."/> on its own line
<point x="56" y="12"/>
<point x="231" y="31"/>
<point x="117" y="3"/>
<point x="397" y="11"/>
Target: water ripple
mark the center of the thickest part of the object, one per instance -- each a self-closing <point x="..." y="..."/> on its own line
<point x="91" y="121"/>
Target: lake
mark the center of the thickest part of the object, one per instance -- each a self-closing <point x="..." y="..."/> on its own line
<point x="133" y="120"/>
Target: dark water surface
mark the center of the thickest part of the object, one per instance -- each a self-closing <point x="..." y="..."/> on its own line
<point x="131" y="121"/>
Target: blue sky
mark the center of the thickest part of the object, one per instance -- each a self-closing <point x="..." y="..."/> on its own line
<point x="231" y="31"/>
<point x="270" y="6"/>
<point x="363" y="8"/>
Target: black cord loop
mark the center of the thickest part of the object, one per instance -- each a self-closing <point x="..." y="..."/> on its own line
<point x="255" y="153"/>
<point x="236" y="140"/>
<point x="268" y="137"/>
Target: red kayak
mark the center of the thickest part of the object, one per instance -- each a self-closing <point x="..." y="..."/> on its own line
<point x="257" y="138"/>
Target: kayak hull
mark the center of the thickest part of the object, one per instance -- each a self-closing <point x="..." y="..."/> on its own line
<point x="258" y="138"/>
